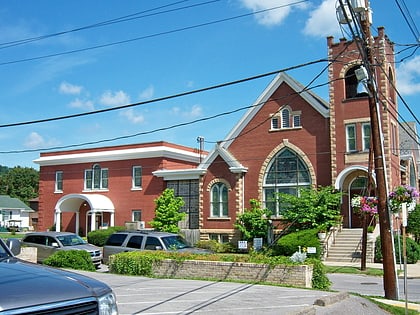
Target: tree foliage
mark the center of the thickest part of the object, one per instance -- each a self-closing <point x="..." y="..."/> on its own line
<point x="313" y="208"/>
<point x="253" y="222"/>
<point x="20" y="182"/>
<point x="413" y="223"/>
<point x="167" y="212"/>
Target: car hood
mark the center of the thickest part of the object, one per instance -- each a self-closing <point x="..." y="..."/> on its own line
<point x="86" y="247"/>
<point x="29" y="284"/>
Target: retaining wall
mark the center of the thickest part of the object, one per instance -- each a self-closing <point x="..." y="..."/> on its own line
<point x="299" y="276"/>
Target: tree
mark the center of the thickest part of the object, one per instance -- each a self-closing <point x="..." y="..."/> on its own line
<point x="167" y="212"/>
<point x="313" y="208"/>
<point x="20" y="182"/>
<point x="413" y="223"/>
<point x="254" y="222"/>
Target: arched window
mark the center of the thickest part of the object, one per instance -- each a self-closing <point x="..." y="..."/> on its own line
<point x="285" y="118"/>
<point x="286" y="173"/>
<point x="391" y="85"/>
<point x="96" y="178"/>
<point x="354" y="88"/>
<point x="219" y="200"/>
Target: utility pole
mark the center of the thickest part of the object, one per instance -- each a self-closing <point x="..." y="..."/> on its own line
<point x="390" y="278"/>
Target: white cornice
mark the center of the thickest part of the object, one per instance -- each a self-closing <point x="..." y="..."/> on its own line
<point x="118" y="155"/>
<point x="193" y="173"/>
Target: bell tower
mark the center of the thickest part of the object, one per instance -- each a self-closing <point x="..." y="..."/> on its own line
<point x="350" y="129"/>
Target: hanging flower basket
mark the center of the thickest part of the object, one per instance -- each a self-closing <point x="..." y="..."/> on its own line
<point x="400" y="195"/>
<point x="365" y="204"/>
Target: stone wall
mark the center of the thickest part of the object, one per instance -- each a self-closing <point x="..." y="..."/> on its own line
<point x="299" y="276"/>
<point x="28" y="254"/>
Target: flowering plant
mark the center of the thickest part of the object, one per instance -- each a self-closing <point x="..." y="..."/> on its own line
<point x="365" y="204"/>
<point x="400" y="195"/>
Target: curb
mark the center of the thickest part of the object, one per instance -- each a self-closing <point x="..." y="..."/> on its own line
<point x="331" y="299"/>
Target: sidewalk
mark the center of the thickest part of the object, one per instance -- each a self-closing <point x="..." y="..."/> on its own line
<point x="413" y="270"/>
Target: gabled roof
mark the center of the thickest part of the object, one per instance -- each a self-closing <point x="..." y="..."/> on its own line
<point x="9" y="203"/>
<point x="314" y="100"/>
<point x="231" y="161"/>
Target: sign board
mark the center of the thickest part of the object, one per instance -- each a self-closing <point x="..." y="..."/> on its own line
<point x="311" y="250"/>
<point x="242" y="245"/>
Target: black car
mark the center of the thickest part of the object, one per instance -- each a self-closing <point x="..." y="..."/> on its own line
<point x="27" y="288"/>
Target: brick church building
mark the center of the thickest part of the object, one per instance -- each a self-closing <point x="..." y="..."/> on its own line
<point x="291" y="138"/>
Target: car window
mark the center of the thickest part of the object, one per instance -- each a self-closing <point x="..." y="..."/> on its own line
<point x="71" y="240"/>
<point x="135" y="241"/>
<point x="116" y="240"/>
<point x="36" y="239"/>
<point x="175" y="242"/>
<point x="153" y="243"/>
<point x="49" y="241"/>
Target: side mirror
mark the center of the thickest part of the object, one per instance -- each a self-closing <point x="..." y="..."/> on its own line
<point x="14" y="245"/>
<point x="54" y="244"/>
<point x="158" y="248"/>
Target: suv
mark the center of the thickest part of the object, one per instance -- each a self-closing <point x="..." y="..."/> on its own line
<point x="28" y="288"/>
<point x="146" y="240"/>
<point x="47" y="243"/>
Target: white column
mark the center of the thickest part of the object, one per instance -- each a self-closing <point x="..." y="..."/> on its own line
<point x="77" y="222"/>
<point x="58" y="220"/>
<point x="112" y="219"/>
<point x="92" y="221"/>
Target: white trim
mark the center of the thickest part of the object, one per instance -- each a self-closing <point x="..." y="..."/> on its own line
<point x="344" y="173"/>
<point x="193" y="173"/>
<point x="118" y="155"/>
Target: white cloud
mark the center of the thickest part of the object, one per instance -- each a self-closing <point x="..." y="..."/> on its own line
<point x="68" y="88"/>
<point x="117" y="98"/>
<point x="78" y="103"/>
<point x="271" y="17"/>
<point x="193" y="112"/>
<point x="132" y="116"/>
<point x="36" y="141"/>
<point x="147" y="93"/>
<point x="408" y="76"/>
<point x="322" y="21"/>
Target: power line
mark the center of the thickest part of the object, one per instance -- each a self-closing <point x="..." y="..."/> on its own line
<point x="217" y="86"/>
<point x="106" y="22"/>
<point x="149" y="36"/>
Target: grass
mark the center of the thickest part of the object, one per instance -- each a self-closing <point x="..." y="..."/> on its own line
<point x="355" y="270"/>
<point x="6" y="235"/>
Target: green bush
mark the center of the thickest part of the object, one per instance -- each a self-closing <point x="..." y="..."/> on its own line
<point x="413" y="250"/>
<point x="99" y="237"/>
<point x="320" y="280"/>
<point x="134" y="263"/>
<point x="217" y="247"/>
<point x="73" y="259"/>
<point x="289" y="244"/>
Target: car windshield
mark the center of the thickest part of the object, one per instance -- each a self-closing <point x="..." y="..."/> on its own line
<point x="175" y="242"/>
<point x="71" y="240"/>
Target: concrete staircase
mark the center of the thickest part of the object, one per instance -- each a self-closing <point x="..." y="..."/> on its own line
<point x="347" y="246"/>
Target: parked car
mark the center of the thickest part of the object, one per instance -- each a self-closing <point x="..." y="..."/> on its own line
<point x="127" y="241"/>
<point x="47" y="243"/>
<point x="27" y="288"/>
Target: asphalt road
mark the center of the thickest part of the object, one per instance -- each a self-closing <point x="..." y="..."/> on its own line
<point x="141" y="295"/>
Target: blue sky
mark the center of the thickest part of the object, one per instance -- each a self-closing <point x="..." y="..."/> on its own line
<point x="104" y="54"/>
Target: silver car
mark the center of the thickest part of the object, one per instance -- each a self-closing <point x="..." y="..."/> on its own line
<point x="47" y="243"/>
<point x="139" y="240"/>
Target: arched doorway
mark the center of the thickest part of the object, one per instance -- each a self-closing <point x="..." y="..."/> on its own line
<point x="352" y="181"/>
<point x="90" y="212"/>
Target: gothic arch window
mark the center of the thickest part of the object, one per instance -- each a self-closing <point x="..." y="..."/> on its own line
<point x="391" y="85"/>
<point x="286" y="173"/>
<point x="285" y="119"/>
<point x="219" y="200"/>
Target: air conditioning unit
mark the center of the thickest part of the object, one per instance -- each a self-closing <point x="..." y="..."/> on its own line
<point x="135" y="225"/>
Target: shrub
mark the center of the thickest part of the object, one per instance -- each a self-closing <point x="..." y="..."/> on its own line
<point x="216" y="247"/>
<point x="289" y="244"/>
<point x="320" y="280"/>
<point x="413" y="250"/>
<point x="99" y="237"/>
<point x="134" y="263"/>
<point x="73" y="259"/>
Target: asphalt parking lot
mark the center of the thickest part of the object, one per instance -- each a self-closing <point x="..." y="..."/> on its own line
<point x="141" y="295"/>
